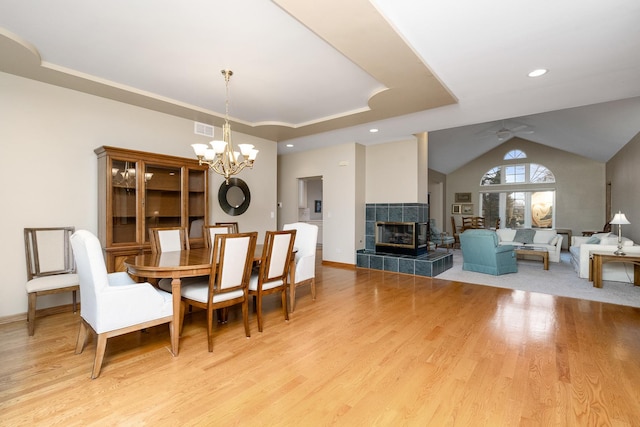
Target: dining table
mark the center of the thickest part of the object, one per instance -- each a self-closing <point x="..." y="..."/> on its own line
<point x="178" y="265"/>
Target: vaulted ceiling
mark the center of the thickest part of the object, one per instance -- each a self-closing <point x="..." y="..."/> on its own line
<point x="315" y="73"/>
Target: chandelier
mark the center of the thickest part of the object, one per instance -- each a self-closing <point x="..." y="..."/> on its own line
<point x="221" y="157"/>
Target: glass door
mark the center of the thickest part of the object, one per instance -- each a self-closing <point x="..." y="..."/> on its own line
<point x="163" y="197"/>
<point x="123" y="196"/>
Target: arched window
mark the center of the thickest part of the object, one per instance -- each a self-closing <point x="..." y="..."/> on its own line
<point x="521" y="173"/>
<point x="515" y="154"/>
<point x="522" y="206"/>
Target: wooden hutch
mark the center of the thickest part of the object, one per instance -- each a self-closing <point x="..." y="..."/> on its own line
<point x="138" y="191"/>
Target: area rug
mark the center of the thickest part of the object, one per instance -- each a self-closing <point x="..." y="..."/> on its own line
<point x="561" y="280"/>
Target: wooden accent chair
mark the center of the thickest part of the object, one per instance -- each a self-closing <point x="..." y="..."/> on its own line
<point x="233" y="225"/>
<point x="305" y="262"/>
<point x="228" y="282"/>
<point x="472" y="222"/>
<point x="168" y="239"/>
<point x="50" y="266"/>
<point x="274" y="269"/>
<point x="113" y="304"/>
<point x="455" y="232"/>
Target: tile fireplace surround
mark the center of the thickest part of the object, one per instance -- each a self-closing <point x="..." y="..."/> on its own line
<point x="430" y="264"/>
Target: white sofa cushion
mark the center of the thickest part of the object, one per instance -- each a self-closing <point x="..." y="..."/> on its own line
<point x="544" y="236"/>
<point x="506" y="234"/>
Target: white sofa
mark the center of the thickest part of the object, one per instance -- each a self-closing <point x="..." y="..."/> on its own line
<point x="582" y="247"/>
<point x="545" y="238"/>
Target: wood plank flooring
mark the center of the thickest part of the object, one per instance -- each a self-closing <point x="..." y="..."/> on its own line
<point x="374" y="349"/>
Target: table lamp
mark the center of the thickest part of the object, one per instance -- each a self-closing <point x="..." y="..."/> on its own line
<point x="619" y="219"/>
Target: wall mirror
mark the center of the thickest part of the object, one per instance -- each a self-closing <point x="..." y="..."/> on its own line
<point x="234" y="198"/>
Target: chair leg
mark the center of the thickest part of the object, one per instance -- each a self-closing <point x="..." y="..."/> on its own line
<point x="258" y="307"/>
<point x="31" y="313"/>
<point x="210" y="329"/>
<point x="100" y="348"/>
<point x="81" y="342"/>
<point x="292" y="296"/>
<point x="313" y="288"/>
<point x="285" y="311"/>
<point x="245" y="317"/>
<point x="75" y="301"/>
<point x="181" y="325"/>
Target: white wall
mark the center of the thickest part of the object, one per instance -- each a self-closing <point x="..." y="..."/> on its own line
<point x="49" y="170"/>
<point x="338" y="167"/>
<point x="624" y="175"/>
<point x="392" y="172"/>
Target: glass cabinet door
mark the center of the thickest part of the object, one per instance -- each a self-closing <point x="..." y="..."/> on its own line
<point x="163" y="197"/>
<point x="196" y="202"/>
<point x="123" y="197"/>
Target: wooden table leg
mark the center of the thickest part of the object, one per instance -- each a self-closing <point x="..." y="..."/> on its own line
<point x="636" y="274"/>
<point x="597" y="271"/>
<point x="177" y="318"/>
<point x="545" y="260"/>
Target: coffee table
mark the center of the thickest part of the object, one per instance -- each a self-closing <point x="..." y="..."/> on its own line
<point x="534" y="250"/>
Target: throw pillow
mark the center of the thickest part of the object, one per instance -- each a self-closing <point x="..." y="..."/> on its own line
<point x="524" y="235"/>
<point x="593" y="240"/>
<point x="609" y="241"/>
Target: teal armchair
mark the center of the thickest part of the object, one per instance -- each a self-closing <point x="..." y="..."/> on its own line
<point x="439" y="238"/>
<point x="481" y="253"/>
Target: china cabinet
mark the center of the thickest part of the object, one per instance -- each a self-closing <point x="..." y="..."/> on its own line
<point x="139" y="190"/>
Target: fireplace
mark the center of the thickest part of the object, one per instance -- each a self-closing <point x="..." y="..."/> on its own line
<point x="406" y="238"/>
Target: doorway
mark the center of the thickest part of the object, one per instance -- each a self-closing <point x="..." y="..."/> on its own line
<point x="310" y="203"/>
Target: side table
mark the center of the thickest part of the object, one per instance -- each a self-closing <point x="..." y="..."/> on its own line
<point x="597" y="259"/>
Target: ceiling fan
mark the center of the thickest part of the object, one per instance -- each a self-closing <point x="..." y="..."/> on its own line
<point x="503" y="132"/>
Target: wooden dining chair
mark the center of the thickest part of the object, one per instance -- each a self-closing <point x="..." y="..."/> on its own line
<point x="233" y="225"/>
<point x="455" y="233"/>
<point x="228" y="282"/>
<point x="50" y="267"/>
<point x="272" y="275"/>
<point x="210" y="232"/>
<point x="168" y="239"/>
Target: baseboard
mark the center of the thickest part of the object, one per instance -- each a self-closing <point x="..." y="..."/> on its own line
<point x="339" y="265"/>
<point x="22" y="317"/>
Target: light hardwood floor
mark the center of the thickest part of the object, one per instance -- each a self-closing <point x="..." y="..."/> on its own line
<point x="375" y="348"/>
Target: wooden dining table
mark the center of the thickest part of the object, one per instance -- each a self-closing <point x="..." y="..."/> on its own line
<point x="177" y="265"/>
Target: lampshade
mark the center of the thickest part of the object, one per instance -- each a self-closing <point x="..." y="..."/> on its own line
<point x="619" y="219"/>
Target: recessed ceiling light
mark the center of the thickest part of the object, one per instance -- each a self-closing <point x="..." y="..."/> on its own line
<point x="374" y="130"/>
<point x="539" y="72"/>
<point x="289" y="145"/>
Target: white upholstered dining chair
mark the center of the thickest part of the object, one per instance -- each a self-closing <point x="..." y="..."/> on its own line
<point x="305" y="269"/>
<point x="168" y="239"/>
<point x="50" y="266"/>
<point x="227" y="285"/>
<point x="274" y="268"/>
<point x="113" y="304"/>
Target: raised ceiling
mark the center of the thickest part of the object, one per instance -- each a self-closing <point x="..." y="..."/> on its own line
<point x="316" y="73"/>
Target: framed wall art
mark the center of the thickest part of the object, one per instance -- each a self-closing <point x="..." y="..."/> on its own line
<point x="455" y="209"/>
<point x="466" y="209"/>
<point x="463" y="198"/>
